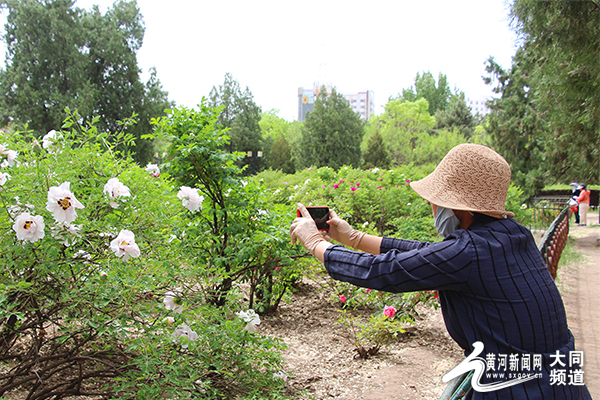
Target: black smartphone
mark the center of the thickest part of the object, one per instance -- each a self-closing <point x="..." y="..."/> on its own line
<point x="320" y="215"/>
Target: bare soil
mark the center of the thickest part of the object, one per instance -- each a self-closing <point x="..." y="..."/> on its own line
<point x="321" y="362"/>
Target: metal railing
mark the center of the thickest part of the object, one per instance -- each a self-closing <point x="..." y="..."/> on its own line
<point x="554" y="241"/>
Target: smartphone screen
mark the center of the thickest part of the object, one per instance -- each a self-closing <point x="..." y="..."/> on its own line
<point x="320" y="215"/>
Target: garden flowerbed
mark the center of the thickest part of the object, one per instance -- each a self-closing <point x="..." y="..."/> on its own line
<point x="322" y="363"/>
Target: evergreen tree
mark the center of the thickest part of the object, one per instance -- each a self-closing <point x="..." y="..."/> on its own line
<point x="456" y="115"/>
<point x="515" y="126"/>
<point x="548" y="119"/>
<point x="332" y="133"/>
<point x="376" y="154"/>
<point x="281" y="156"/>
<point x="61" y="56"/>
<point x="241" y="115"/>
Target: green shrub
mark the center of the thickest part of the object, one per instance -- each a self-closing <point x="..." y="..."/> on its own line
<point x="96" y="291"/>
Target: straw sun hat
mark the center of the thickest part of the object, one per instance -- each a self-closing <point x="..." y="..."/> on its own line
<point x="471" y="177"/>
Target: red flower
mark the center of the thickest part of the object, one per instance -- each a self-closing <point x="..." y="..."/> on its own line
<point x="389" y="311"/>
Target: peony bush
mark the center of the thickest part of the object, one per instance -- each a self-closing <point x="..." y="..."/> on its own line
<point x="109" y="278"/>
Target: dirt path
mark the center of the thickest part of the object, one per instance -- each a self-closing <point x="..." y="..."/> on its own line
<point x="579" y="283"/>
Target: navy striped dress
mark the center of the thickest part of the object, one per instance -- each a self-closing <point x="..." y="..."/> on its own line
<point x="493" y="288"/>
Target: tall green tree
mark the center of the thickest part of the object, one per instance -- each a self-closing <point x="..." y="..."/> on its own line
<point x="241" y="115"/>
<point x="516" y="128"/>
<point x="45" y="68"/>
<point x="278" y="150"/>
<point x="281" y="156"/>
<point x="376" y="154"/>
<point x="332" y="133"/>
<point x="456" y="115"/>
<point x="400" y="125"/>
<point x="562" y="38"/>
<point x="437" y="95"/>
<point x="61" y="56"/>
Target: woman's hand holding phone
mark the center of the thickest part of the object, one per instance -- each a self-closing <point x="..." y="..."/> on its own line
<point x="305" y="230"/>
<point x="341" y="231"/>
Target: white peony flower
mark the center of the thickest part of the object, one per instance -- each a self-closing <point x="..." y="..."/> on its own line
<point x="170" y="301"/>
<point x="29" y="227"/>
<point x="49" y="139"/>
<point x="184" y="331"/>
<point x="62" y="203"/>
<point x="4" y="177"/>
<point x="124" y="245"/>
<point x="190" y="198"/>
<point x="153" y="169"/>
<point x="116" y="190"/>
<point x="8" y="158"/>
<point x="251" y="318"/>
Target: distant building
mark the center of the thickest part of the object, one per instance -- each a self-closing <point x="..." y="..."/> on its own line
<point x="478" y="105"/>
<point x="362" y="103"/>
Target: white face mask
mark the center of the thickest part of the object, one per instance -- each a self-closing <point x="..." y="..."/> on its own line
<point x="445" y="221"/>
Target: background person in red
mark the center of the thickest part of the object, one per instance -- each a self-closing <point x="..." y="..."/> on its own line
<point x="584" y="203"/>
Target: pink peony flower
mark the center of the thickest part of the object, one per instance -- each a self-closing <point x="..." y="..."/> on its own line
<point x="389" y="311"/>
<point x="336" y="186"/>
<point x="368" y="290"/>
<point x="342" y="298"/>
<point x="353" y="188"/>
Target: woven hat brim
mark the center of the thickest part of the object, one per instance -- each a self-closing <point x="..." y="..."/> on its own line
<point x="471" y="177"/>
<point x="421" y="188"/>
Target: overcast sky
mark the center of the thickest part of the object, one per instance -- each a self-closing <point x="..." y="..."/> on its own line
<point x="275" y="47"/>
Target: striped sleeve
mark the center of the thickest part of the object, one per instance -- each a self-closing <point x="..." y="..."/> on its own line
<point x="404" y="265"/>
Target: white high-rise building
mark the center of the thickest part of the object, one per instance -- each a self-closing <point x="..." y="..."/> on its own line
<point x="477" y="105"/>
<point x="363" y="103"/>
